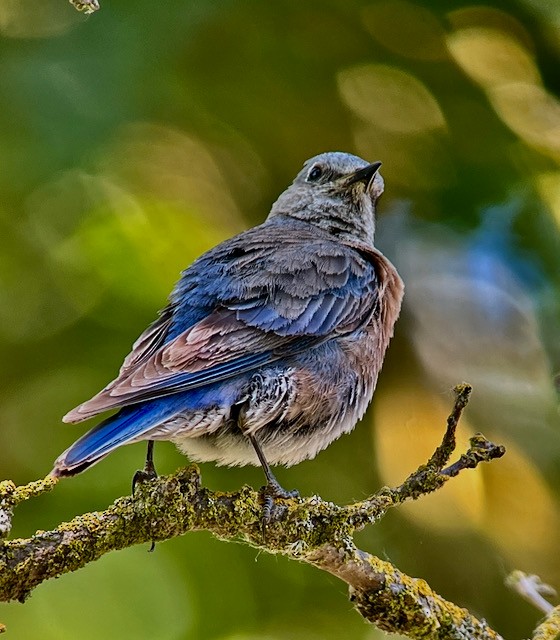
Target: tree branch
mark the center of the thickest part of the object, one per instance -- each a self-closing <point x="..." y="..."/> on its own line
<point x="306" y="529"/>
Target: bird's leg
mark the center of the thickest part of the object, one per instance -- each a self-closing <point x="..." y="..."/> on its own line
<point x="149" y="471"/>
<point x="273" y="488"/>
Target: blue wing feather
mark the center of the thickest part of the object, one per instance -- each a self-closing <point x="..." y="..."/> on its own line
<point x="268" y="293"/>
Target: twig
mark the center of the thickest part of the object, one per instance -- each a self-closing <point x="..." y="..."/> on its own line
<point x="432" y="475"/>
<point x="532" y="588"/>
<point x="11" y="496"/>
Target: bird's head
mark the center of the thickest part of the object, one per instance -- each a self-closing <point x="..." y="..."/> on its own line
<point x="336" y="192"/>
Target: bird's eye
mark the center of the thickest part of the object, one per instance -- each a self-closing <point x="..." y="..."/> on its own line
<point x="315" y="173"/>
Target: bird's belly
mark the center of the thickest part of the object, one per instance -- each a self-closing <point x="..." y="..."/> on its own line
<point x="293" y="411"/>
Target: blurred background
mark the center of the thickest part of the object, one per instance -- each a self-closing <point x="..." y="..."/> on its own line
<point x="136" y="138"/>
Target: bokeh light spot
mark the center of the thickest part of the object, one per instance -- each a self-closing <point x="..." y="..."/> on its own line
<point x="407" y="29"/>
<point x="491" y="57"/>
<point x="391" y="98"/>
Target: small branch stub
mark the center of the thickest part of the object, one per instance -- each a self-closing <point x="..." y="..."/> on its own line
<point x="532" y="589"/>
<point x="85" y="6"/>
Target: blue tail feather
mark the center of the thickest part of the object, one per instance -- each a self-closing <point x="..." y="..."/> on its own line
<point x="136" y="421"/>
<point x="128" y="424"/>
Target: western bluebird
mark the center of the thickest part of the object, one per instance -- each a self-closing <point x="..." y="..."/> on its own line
<point x="271" y="343"/>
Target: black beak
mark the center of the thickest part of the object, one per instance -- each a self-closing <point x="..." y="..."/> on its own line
<point x="364" y="175"/>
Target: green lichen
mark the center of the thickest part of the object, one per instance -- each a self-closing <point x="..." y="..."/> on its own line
<point x="409" y="606"/>
<point x="11" y="496"/>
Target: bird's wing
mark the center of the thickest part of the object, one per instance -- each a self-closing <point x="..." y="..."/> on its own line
<point x="272" y="296"/>
<point x="148" y="342"/>
<point x="303" y="284"/>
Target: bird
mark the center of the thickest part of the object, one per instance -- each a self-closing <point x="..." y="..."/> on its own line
<point x="271" y="343"/>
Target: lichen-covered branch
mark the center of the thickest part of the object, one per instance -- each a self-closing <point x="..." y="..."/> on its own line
<point x="10" y="496"/>
<point x="306" y="529"/>
<point x="433" y="474"/>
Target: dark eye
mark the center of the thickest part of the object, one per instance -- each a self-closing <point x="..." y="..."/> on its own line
<point x="315" y="173"/>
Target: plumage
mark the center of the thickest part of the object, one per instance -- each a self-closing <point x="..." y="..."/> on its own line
<point x="275" y="336"/>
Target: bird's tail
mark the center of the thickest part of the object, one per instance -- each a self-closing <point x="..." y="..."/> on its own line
<point x="130" y="424"/>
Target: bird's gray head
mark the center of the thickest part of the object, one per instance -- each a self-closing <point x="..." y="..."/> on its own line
<point x="336" y="192"/>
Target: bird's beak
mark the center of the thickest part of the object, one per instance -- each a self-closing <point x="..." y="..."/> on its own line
<point x="364" y="175"/>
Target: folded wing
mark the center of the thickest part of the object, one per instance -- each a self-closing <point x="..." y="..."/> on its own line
<point x="250" y="301"/>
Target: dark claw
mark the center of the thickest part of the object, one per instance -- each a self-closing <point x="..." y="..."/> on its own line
<point x="144" y="475"/>
<point x="268" y="505"/>
<point x="270" y="493"/>
<point x="149" y="471"/>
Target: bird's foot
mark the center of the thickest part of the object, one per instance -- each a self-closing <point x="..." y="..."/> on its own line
<point x="149" y="471"/>
<point x="270" y="494"/>
<point x="272" y="491"/>
<point x="144" y="475"/>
